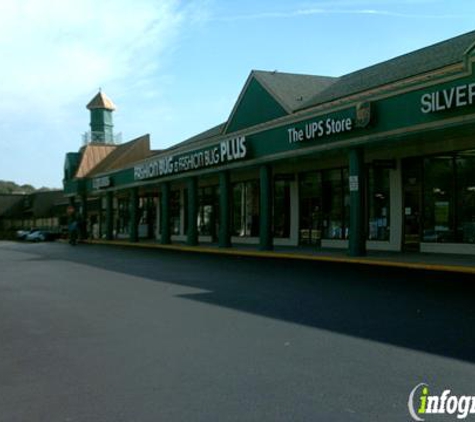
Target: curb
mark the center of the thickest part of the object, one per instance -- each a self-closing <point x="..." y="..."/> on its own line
<point x="294" y="256"/>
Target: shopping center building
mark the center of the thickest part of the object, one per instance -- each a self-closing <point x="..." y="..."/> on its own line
<point x="379" y="159"/>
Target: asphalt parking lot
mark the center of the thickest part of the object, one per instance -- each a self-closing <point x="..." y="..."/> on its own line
<point x="98" y="333"/>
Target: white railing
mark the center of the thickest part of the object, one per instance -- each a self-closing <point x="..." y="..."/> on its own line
<point x="101" y="138"/>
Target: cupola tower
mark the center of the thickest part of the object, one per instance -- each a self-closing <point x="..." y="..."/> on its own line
<point x="101" y="108"/>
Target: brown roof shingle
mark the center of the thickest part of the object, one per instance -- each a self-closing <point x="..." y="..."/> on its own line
<point x="123" y="155"/>
<point x="92" y="155"/>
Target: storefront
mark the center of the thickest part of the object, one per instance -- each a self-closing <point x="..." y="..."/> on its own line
<point x="381" y="159"/>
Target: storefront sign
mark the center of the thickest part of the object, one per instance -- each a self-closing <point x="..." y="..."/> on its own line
<point x="446" y="99"/>
<point x="319" y="129"/>
<point x="329" y="126"/>
<point x="227" y="151"/>
<point x="101" y="182"/>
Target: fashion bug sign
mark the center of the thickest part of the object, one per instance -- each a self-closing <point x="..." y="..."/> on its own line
<point x="227" y="151"/>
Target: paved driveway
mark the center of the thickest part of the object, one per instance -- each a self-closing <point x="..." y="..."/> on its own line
<point x="94" y="333"/>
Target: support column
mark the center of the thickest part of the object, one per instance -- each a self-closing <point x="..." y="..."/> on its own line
<point x="71" y="210"/>
<point x="150" y="220"/>
<point x="265" y="221"/>
<point x="192" y="212"/>
<point x="83" y="232"/>
<point x="224" y="210"/>
<point x="134" y="212"/>
<point x="109" y="215"/>
<point x="100" y="222"/>
<point x="357" y="235"/>
<point x="165" y="214"/>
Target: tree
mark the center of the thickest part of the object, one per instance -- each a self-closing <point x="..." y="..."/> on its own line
<point x="9" y="187"/>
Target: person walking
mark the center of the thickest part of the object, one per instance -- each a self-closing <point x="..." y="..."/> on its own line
<point x="73" y="232"/>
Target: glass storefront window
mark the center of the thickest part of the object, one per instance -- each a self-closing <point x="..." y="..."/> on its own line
<point x="148" y="216"/>
<point x="185" y="211"/>
<point x="439" y="222"/>
<point x="102" y="217"/>
<point x="310" y="206"/>
<point x="378" y="203"/>
<point x="175" y="212"/>
<point x="336" y="203"/>
<point x="465" y="173"/>
<point x="346" y="201"/>
<point x="208" y="211"/>
<point x="123" y="217"/>
<point x="246" y="209"/>
<point x="282" y="208"/>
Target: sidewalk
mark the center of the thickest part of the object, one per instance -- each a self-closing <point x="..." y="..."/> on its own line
<point x="410" y="260"/>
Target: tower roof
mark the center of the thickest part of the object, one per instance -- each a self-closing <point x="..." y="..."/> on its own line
<point x="101" y="100"/>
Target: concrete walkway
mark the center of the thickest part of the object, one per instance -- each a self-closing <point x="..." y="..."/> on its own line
<point x="412" y="260"/>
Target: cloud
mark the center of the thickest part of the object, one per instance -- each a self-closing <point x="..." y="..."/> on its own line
<point x="55" y="50"/>
<point x="57" y="53"/>
<point x="312" y="11"/>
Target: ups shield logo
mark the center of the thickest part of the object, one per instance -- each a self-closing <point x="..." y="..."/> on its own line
<point x="363" y="114"/>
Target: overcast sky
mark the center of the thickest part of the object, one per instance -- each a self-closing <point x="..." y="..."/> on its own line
<point x="175" y="68"/>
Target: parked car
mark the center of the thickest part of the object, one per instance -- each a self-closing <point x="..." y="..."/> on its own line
<point x="21" y="234"/>
<point x="40" y="236"/>
<point x="36" y="236"/>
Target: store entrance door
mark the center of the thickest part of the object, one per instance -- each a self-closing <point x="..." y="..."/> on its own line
<point x="208" y="212"/>
<point x="412" y="199"/>
<point x="310" y="217"/>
